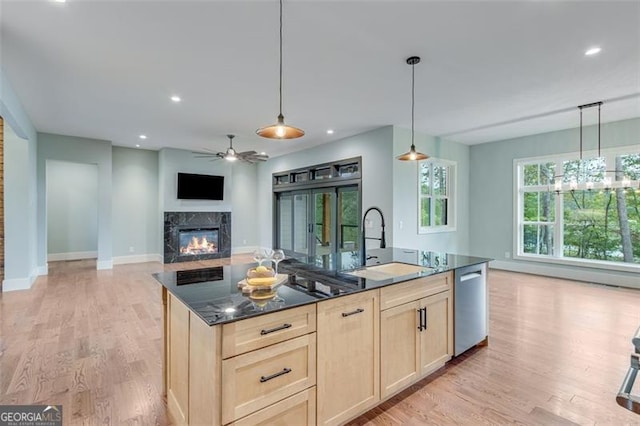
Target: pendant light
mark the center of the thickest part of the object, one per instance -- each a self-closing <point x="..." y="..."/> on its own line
<point x="413" y="155"/>
<point x="280" y="130"/>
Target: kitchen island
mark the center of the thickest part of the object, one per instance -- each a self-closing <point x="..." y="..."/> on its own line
<point x="330" y="343"/>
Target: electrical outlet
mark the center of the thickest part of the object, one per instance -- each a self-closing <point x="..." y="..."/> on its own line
<point x="401" y="224"/>
<point x="507" y="254"/>
<point x="368" y="223"/>
<point x="244" y="242"/>
<point x="132" y="249"/>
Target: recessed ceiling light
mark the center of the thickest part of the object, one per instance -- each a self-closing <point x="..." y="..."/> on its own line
<point x="176" y="98"/>
<point x="137" y="145"/>
<point x="330" y="132"/>
<point x="142" y="136"/>
<point x="592" y="51"/>
<point x="59" y="1"/>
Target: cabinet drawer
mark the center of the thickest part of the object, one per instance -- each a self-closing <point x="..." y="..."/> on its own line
<point x="409" y="291"/>
<point x="260" y="378"/>
<point x="299" y="409"/>
<point x="255" y="333"/>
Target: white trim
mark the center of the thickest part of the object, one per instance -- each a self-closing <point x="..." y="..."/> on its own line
<point x="562" y="271"/>
<point x="137" y="258"/>
<point x="452" y="194"/>
<point x="43" y="270"/>
<point x="104" y="264"/>
<point x="243" y="249"/>
<point x="579" y="262"/>
<point x="74" y="255"/>
<point x="19" y="283"/>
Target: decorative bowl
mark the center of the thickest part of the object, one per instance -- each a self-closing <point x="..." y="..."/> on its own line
<point x="261" y="276"/>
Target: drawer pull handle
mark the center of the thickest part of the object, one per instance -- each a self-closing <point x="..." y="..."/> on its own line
<point x="357" y="311"/>
<point x="271" y="330"/>
<point x="273" y="376"/>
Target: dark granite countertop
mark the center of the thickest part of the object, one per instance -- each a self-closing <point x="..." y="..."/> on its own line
<point x="213" y="293"/>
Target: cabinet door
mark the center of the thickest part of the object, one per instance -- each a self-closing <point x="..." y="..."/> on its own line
<point x="436" y="341"/>
<point x="399" y="347"/>
<point x="348" y="356"/>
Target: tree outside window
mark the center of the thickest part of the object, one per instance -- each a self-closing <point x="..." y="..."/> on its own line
<point x="596" y="223"/>
<point x="436" y="186"/>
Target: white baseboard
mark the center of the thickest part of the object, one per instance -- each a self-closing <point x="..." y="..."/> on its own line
<point x="43" y="270"/>
<point x="244" y="249"/>
<point x="76" y="255"/>
<point x="587" y="275"/>
<point x="104" y="264"/>
<point x="18" y="283"/>
<point x="138" y="258"/>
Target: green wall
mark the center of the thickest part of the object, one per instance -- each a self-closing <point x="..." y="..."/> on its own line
<point x="491" y="194"/>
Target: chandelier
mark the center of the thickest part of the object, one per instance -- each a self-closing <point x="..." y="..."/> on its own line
<point x="589" y="177"/>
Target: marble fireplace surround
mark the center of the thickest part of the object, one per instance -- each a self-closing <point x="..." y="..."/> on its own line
<point x="176" y="221"/>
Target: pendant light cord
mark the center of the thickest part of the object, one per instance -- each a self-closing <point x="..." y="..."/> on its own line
<point x="413" y="85"/>
<point x="581" y="134"/>
<point x="599" y="105"/>
<point x="280" y="57"/>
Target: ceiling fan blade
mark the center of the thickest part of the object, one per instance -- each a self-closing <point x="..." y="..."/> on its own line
<point x="246" y="153"/>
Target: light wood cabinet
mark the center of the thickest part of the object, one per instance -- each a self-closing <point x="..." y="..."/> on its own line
<point x="323" y="363"/>
<point x="436" y="345"/>
<point x="178" y="360"/>
<point x="299" y="409"/>
<point x="254" y="333"/>
<point x="399" y="347"/>
<point x="257" y="379"/>
<point x="348" y="357"/>
<point x="416" y="338"/>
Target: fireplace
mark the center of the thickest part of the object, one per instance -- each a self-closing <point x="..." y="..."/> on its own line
<point x="198" y="241"/>
<point x="196" y="236"/>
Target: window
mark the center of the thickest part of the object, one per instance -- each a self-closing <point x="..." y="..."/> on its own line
<point x="580" y="211"/>
<point x="436" y="180"/>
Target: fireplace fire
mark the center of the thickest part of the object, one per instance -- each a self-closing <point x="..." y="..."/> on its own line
<point x="198" y="241"/>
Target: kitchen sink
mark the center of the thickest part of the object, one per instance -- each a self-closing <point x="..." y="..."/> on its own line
<point x="388" y="271"/>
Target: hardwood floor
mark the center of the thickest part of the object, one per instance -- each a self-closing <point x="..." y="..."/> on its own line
<point x="558" y="351"/>
<point x="92" y="341"/>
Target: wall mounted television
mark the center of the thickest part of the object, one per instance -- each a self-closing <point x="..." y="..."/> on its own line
<point x="200" y="187"/>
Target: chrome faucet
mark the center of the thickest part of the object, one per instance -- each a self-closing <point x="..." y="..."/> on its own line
<point x="382" y="239"/>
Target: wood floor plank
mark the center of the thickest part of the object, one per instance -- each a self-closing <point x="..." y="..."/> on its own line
<point x="92" y="341"/>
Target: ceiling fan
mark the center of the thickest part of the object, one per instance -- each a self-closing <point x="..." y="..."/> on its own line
<point x="232" y="155"/>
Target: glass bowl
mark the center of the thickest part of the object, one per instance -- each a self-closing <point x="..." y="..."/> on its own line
<point x="261" y="276"/>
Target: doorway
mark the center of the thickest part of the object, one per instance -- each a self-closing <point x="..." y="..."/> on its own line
<point x="72" y="210"/>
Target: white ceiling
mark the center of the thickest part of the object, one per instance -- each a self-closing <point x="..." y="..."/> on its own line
<point x="489" y="70"/>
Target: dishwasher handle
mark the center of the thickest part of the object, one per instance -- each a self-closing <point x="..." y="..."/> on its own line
<point x="470" y="276"/>
<point x="624" y="397"/>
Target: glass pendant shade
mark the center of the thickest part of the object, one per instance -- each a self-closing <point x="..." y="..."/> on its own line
<point x="279" y="130"/>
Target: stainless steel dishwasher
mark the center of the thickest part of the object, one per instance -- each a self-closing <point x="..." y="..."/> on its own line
<point x="470" y="307"/>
